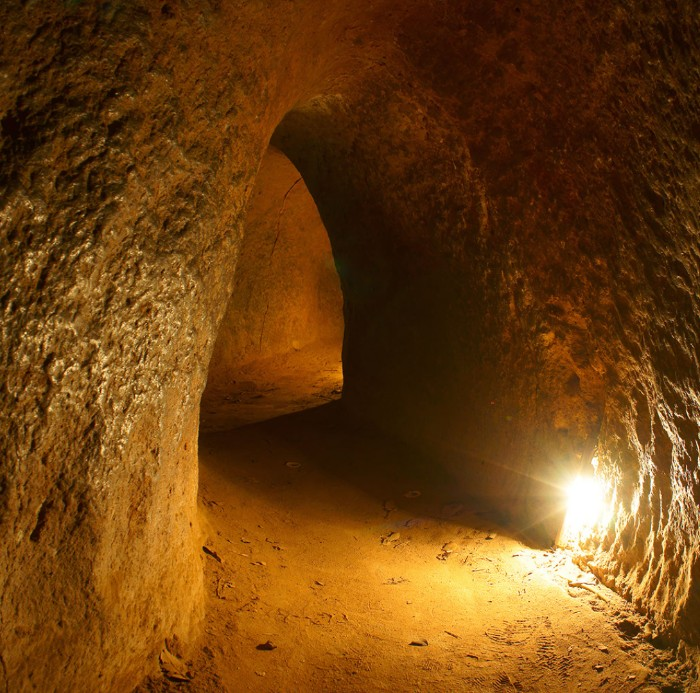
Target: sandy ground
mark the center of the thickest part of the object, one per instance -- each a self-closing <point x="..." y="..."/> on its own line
<point x="334" y="562"/>
<point x="274" y="386"/>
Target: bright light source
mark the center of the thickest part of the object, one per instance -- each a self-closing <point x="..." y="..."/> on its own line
<point x="585" y="502"/>
<point x="586" y="509"/>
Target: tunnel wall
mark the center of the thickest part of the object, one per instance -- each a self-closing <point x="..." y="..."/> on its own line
<point x="124" y="177"/>
<point x="512" y="192"/>
<point x="593" y="131"/>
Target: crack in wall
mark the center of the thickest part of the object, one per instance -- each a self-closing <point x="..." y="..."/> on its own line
<point x="274" y="246"/>
<point x="262" y="329"/>
<point x="281" y="212"/>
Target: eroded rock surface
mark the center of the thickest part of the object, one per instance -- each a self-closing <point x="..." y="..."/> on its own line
<point x="511" y="193"/>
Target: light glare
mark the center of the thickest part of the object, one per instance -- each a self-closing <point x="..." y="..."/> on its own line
<point x="586" y="508"/>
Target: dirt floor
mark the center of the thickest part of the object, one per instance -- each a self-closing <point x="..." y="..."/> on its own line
<point x="273" y="386"/>
<point x="334" y="561"/>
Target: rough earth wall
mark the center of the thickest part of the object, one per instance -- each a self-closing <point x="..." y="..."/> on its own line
<point x="124" y="175"/>
<point x="511" y="190"/>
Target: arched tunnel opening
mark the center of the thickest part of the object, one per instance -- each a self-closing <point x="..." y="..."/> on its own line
<point x="349" y="346"/>
<point x="279" y="345"/>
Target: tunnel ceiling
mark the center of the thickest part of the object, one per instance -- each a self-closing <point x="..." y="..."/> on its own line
<point x="511" y="191"/>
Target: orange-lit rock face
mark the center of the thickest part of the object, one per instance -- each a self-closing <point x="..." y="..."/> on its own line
<point x="511" y="192"/>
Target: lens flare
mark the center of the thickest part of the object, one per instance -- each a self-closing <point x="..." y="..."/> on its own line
<point x="586" y="509"/>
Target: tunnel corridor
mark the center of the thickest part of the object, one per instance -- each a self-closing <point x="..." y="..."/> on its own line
<point x="278" y="348"/>
<point x="313" y="314"/>
<point x="338" y="556"/>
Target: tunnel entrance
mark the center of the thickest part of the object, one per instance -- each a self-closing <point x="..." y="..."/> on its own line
<point x="279" y="345"/>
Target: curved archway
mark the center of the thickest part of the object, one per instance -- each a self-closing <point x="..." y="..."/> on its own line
<point x="279" y="344"/>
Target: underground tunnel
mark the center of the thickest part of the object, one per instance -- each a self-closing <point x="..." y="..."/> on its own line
<point x="350" y="346"/>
